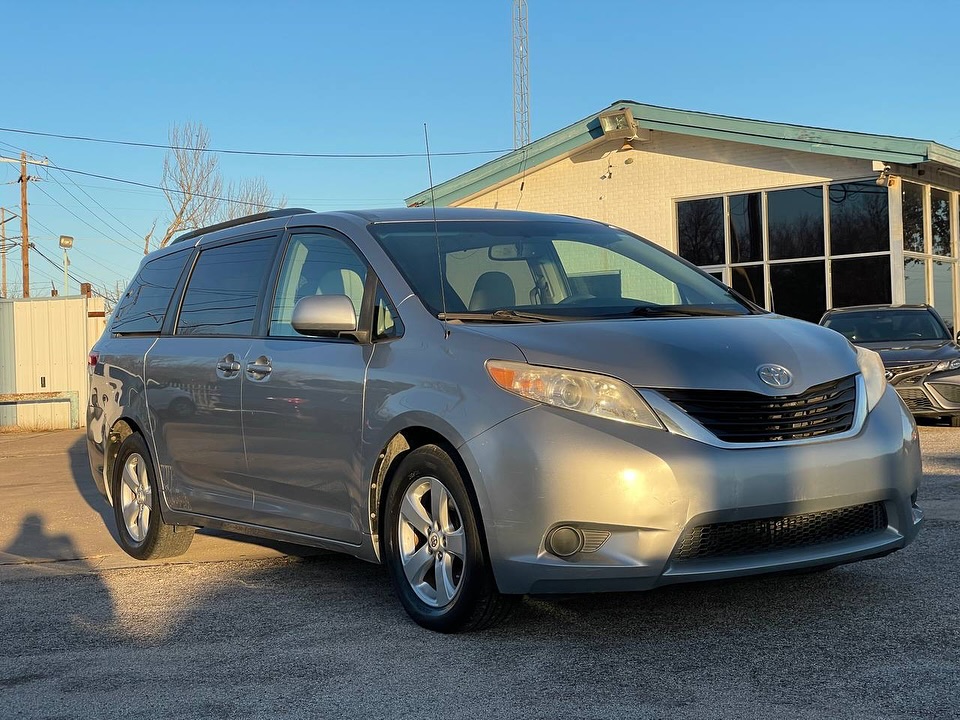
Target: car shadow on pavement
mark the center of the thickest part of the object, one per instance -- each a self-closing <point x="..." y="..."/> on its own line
<point x="80" y="472"/>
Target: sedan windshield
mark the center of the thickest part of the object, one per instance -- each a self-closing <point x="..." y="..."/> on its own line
<point x="523" y="270"/>
<point x="887" y="325"/>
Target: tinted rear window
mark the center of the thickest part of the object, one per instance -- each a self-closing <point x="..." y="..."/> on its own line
<point x="224" y="289"/>
<point x="144" y="305"/>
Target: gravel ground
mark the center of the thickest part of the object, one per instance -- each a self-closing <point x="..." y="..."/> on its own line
<point x="323" y="636"/>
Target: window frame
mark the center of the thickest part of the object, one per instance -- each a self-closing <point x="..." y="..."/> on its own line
<point x="255" y="331"/>
<point x="827" y="258"/>
<point x="366" y="330"/>
<point x="173" y="301"/>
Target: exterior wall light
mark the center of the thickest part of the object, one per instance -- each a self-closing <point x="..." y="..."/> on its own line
<point x="618" y="123"/>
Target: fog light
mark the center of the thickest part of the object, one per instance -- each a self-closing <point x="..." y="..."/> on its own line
<point x="565" y="541"/>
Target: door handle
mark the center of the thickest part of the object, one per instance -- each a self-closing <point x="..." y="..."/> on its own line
<point x="260" y="368"/>
<point x="228" y="364"/>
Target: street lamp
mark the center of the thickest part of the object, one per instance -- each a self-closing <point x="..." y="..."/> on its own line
<point x="66" y="242"/>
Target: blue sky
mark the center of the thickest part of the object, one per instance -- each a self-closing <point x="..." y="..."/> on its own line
<point x="364" y="77"/>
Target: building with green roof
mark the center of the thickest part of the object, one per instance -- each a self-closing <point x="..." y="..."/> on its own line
<point x="798" y="219"/>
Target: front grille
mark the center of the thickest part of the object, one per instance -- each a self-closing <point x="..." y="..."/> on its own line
<point x="915" y="399"/>
<point x="746" y="417"/>
<point x="897" y="370"/>
<point x="749" y="537"/>
<point x="950" y="392"/>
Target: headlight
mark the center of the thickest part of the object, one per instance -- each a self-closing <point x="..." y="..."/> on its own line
<point x="948" y="365"/>
<point x="874" y="375"/>
<point x="597" y="395"/>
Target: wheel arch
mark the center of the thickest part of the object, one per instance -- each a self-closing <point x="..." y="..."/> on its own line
<point x="388" y="460"/>
<point x="119" y="431"/>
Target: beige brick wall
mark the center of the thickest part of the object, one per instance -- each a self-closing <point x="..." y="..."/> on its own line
<point x="599" y="182"/>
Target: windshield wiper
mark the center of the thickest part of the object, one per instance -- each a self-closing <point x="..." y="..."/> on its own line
<point x="685" y="310"/>
<point x="503" y="315"/>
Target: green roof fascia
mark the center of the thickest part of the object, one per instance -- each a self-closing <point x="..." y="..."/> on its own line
<point x="512" y="164"/>
<point x="943" y="154"/>
<point x="841" y="143"/>
<point x="837" y="143"/>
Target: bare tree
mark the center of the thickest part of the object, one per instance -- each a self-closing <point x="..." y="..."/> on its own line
<point x="195" y="189"/>
<point x="249" y="196"/>
<point x="191" y="179"/>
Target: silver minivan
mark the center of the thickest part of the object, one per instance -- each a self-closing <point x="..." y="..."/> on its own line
<point x="492" y="404"/>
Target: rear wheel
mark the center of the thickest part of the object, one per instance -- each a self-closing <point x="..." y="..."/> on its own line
<point x="433" y="547"/>
<point x="136" y="506"/>
<point x="955" y="421"/>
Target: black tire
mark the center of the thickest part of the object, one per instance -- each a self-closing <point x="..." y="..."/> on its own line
<point x="955" y="421"/>
<point x="476" y="603"/>
<point x="151" y="538"/>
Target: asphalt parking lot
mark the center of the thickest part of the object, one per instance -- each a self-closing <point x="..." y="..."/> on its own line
<point x="243" y="630"/>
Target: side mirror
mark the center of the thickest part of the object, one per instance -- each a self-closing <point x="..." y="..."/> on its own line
<point x="324" y="315"/>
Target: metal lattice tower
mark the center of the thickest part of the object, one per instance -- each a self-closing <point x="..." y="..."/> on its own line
<point x="521" y="80"/>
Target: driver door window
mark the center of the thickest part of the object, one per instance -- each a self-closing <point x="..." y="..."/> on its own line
<point x="315" y="264"/>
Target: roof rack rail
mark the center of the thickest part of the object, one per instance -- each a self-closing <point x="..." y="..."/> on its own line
<point x="283" y="212"/>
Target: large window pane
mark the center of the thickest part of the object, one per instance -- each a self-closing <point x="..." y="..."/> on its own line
<point x="700" y="226"/>
<point x="912" y="195"/>
<point x="222" y="293"/>
<point x="861" y="281"/>
<point x="943" y="290"/>
<point x="748" y="281"/>
<point x="940" y="221"/>
<point x="746" y="228"/>
<point x="914" y="280"/>
<point x="799" y="290"/>
<point x="795" y="219"/>
<point x="859" y="221"/>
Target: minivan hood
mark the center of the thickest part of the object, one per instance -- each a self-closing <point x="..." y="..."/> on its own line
<point x="915" y="351"/>
<point x="711" y="353"/>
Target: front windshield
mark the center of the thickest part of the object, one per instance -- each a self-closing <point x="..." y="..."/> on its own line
<point x="887" y="326"/>
<point x="542" y="269"/>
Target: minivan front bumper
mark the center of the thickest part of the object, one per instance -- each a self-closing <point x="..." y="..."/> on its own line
<point x="633" y="494"/>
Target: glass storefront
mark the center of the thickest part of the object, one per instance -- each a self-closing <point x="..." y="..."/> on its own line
<point x="801" y="250"/>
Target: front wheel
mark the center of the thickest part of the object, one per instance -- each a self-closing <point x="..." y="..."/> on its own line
<point x="433" y="547"/>
<point x="136" y="506"/>
<point x="955" y="421"/>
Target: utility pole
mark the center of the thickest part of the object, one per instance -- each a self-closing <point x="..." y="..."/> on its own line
<point x="24" y="224"/>
<point x="24" y="229"/>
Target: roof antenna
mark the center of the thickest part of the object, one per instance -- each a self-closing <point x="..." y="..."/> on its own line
<point x="436" y="235"/>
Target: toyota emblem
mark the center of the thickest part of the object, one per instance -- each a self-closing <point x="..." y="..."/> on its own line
<point x="775" y="376"/>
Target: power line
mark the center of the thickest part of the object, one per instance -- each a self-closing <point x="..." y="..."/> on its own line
<point x="260" y="153"/>
<point x="86" y="207"/>
<point x="159" y="187"/>
<point x="53" y="165"/>
<point x="69" y="274"/>
<point x="115" y="242"/>
<point x="79" y="250"/>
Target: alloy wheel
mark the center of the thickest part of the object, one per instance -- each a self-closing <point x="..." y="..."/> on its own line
<point x="432" y="542"/>
<point x="136" y="497"/>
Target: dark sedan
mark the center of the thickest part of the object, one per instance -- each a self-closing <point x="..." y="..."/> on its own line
<point x="919" y="351"/>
